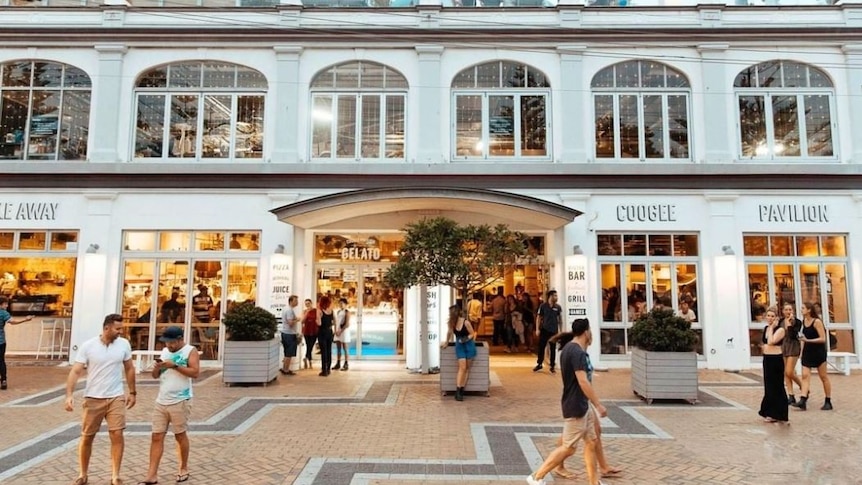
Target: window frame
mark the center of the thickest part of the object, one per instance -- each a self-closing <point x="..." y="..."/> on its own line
<point x="358" y="94"/>
<point x="648" y="260"/>
<point x="642" y="139"/>
<point x="63" y="91"/>
<point x="800" y="94"/>
<point x="518" y="93"/>
<point x="675" y="83"/>
<point x="201" y="93"/>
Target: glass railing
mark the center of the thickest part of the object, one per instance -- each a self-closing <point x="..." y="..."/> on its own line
<point x="412" y="3"/>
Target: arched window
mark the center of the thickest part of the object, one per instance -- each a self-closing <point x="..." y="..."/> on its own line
<point x="641" y="112"/>
<point x="358" y="112"/>
<point x="785" y="111"/>
<point x="44" y="111"/>
<point x="200" y="110"/>
<point x="501" y="111"/>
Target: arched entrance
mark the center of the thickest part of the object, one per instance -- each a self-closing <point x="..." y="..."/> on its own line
<point x="345" y="242"/>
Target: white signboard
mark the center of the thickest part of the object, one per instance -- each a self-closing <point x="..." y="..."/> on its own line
<point x="576" y="288"/>
<point x="280" y="283"/>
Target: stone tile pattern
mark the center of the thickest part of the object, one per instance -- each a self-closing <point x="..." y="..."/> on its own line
<point x="357" y="430"/>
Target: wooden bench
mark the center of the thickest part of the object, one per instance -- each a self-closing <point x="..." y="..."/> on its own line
<point x="842" y="361"/>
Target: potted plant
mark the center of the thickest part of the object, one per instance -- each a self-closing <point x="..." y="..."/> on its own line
<point x="251" y="351"/>
<point x="664" y="364"/>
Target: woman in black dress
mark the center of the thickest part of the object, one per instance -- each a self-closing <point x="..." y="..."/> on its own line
<point x="773" y="407"/>
<point x="325" y="334"/>
<point x="792" y="348"/>
<point x="813" y="356"/>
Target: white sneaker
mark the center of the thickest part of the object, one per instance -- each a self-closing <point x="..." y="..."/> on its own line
<point x="533" y="481"/>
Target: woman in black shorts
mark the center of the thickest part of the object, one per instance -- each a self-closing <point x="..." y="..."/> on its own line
<point x="813" y="355"/>
<point x="791" y="348"/>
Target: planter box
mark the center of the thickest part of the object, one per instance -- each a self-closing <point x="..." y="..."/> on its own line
<point x="664" y="375"/>
<point x="251" y="362"/>
<point x="480" y="371"/>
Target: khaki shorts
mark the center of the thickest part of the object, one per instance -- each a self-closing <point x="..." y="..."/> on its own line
<point x="578" y="429"/>
<point x="112" y="410"/>
<point x="174" y="414"/>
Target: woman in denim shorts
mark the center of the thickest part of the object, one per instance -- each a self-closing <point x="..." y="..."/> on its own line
<point x="465" y="347"/>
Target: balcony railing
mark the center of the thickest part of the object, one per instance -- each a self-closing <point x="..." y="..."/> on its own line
<point x="413" y="3"/>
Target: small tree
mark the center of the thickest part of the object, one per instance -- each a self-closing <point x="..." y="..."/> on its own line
<point x="440" y="252"/>
<point x="246" y="322"/>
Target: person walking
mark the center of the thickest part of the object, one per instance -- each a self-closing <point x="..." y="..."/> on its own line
<point x="325" y="320"/>
<point x="580" y="405"/>
<point x="791" y="348"/>
<point x="773" y="406"/>
<point x="605" y="468"/>
<point x="814" y="355"/>
<point x="291" y="332"/>
<point x="309" y="333"/>
<point x="175" y="369"/>
<point x="462" y="331"/>
<point x="342" y="334"/>
<point x="550" y="323"/>
<point x="6" y="317"/>
<point x="106" y="357"/>
<point x="514" y="324"/>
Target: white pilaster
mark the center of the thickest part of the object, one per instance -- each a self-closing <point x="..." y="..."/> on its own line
<point x="430" y="97"/>
<point x="285" y="115"/>
<point x="106" y="95"/>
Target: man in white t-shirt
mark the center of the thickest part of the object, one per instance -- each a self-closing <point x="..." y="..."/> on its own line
<point x="291" y="332"/>
<point x="175" y="369"/>
<point x="106" y="357"/>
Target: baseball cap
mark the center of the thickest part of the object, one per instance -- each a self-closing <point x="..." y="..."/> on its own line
<point x="171" y="333"/>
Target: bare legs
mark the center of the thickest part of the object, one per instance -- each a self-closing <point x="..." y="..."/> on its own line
<point x="790" y="376"/>
<point x="118" y="442"/>
<point x="824" y="378"/>
<point x="463" y="372"/>
<point x="604" y="466"/>
<point x="561" y="453"/>
<point x="85" y="449"/>
<point x="157" y="448"/>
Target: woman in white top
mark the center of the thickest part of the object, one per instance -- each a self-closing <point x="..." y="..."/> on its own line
<point x="342" y="334"/>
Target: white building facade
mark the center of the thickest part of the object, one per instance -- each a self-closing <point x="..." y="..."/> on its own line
<point x="711" y="154"/>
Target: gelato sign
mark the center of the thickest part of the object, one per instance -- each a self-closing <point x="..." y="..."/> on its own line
<point x="28" y="211"/>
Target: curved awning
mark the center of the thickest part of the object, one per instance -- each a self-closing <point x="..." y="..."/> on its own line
<point x="397" y="206"/>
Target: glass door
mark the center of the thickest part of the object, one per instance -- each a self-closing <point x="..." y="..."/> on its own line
<point x="375" y="309"/>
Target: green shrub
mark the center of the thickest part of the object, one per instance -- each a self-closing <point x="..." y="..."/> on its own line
<point x="248" y="323"/>
<point x="662" y="331"/>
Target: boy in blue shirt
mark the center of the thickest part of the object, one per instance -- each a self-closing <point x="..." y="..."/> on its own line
<point x="5" y="318"/>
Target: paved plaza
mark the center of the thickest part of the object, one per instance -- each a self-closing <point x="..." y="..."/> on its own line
<point x="380" y="425"/>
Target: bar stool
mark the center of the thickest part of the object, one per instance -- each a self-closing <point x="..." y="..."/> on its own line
<point x="65" y="329"/>
<point x="47" y="331"/>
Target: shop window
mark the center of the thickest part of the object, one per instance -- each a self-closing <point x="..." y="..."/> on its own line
<point x="7" y="241"/>
<point x="191" y="290"/>
<point x="785" y="111"/>
<point x="44" y="111"/>
<point x="32" y="241"/>
<point x="784" y="269"/>
<point x="641" y="111"/>
<point x="244" y="241"/>
<point x="501" y="112"/>
<point x="174" y="241"/>
<point x="200" y="110"/>
<point x="139" y="241"/>
<point x="358" y="112"/>
<point x="643" y="271"/>
<point x="64" y="241"/>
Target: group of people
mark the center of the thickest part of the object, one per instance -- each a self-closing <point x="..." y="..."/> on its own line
<point x="513" y="317"/>
<point x="322" y="324"/>
<point x="784" y="341"/>
<point x="107" y="359"/>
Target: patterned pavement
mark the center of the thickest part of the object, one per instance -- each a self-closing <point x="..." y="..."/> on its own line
<point x="380" y="425"/>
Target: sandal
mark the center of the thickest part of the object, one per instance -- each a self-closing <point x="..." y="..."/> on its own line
<point x="611" y="472"/>
<point x="564" y="474"/>
<point x="80" y="481"/>
<point x="182" y="478"/>
<point x="148" y="483"/>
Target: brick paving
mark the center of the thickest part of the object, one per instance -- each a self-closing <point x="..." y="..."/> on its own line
<point x="380" y="425"/>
